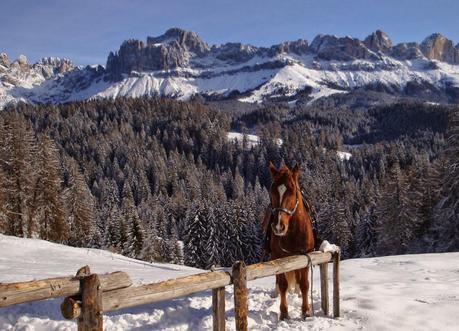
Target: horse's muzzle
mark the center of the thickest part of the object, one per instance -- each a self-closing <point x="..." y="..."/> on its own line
<point x="279" y="231"/>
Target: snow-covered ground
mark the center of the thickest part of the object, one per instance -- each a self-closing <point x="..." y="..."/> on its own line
<point x="252" y="140"/>
<point x="344" y="155"/>
<point x="410" y="292"/>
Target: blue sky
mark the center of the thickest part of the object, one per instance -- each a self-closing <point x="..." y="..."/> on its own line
<point x="85" y="31"/>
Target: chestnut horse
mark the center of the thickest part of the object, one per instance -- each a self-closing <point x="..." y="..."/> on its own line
<point x="289" y="227"/>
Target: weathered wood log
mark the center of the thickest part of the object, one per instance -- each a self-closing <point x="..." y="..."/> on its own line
<point x="336" y="308"/>
<point x="14" y="293"/>
<point x="218" y="309"/>
<point x="324" y="287"/>
<point x="71" y="307"/>
<point x="285" y="264"/>
<point x="166" y="290"/>
<point x="240" y="296"/>
<point x="174" y="288"/>
<point x="83" y="271"/>
<point x="91" y="304"/>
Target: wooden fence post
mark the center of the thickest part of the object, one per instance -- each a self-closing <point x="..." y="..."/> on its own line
<point x="218" y="309"/>
<point x="324" y="287"/>
<point x="91" y="304"/>
<point x="336" y="308"/>
<point x="240" y="295"/>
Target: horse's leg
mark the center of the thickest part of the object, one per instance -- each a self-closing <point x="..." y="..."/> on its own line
<point x="302" y="279"/>
<point x="282" y="285"/>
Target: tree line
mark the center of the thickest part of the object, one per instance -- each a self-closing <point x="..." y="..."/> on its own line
<point x="157" y="179"/>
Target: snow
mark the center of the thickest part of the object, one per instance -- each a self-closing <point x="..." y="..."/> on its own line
<point x="327" y="247"/>
<point x="252" y="140"/>
<point x="343" y="156"/>
<point x="409" y="292"/>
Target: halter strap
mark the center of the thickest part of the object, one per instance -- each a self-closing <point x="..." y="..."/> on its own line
<point x="285" y="210"/>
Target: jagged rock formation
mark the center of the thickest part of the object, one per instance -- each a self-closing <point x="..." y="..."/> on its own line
<point x="341" y="49"/>
<point x="180" y="64"/>
<point x="52" y="65"/>
<point x="438" y="47"/>
<point x="406" y="51"/>
<point x="187" y="40"/>
<point x="299" y="47"/>
<point x="234" y="52"/>
<point x="378" y="41"/>
<point x="4" y="61"/>
<point x="168" y="51"/>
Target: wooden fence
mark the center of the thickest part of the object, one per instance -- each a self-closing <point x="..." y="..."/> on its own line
<point x="88" y="295"/>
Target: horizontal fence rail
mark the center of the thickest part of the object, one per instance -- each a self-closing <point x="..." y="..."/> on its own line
<point x="14" y="293"/>
<point x="165" y="290"/>
<point x="286" y="264"/>
<point x="85" y="293"/>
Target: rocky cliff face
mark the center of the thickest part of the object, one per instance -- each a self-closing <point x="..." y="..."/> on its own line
<point x="299" y="47"/>
<point x="4" y="61"/>
<point x="169" y="51"/>
<point x="328" y="47"/>
<point x="51" y="66"/>
<point x="437" y="47"/>
<point x="378" y="41"/>
<point x="406" y="51"/>
<point x="179" y="49"/>
<point x="186" y="40"/>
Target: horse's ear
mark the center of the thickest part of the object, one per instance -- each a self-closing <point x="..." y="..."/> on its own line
<point x="272" y="169"/>
<point x="296" y="172"/>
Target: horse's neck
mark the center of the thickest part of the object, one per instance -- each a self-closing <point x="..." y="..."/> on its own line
<point x="298" y="217"/>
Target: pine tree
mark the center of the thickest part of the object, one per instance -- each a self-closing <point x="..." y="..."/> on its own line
<point x="112" y="234"/>
<point x="334" y="224"/>
<point x="79" y="207"/>
<point x="3" y="202"/>
<point x="50" y="209"/>
<point x="17" y="150"/>
<point x="195" y="236"/>
<point x="134" y="232"/>
<point x="250" y="232"/>
<point x="445" y="228"/>
<point x="398" y="217"/>
<point x="366" y="235"/>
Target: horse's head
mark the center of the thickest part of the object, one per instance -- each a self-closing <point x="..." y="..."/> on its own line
<point x="284" y="197"/>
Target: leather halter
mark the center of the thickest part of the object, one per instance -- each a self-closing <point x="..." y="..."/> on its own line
<point x="285" y="210"/>
<point x="289" y="212"/>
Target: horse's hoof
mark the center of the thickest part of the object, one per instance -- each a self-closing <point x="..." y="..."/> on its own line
<point x="283" y="317"/>
<point x="307" y="314"/>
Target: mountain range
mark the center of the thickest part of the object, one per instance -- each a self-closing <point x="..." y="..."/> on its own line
<point x="179" y="64"/>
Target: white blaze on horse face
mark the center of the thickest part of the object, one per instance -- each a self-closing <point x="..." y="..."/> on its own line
<point x="281" y="189"/>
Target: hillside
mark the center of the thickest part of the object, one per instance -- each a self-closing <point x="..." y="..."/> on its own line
<point x="179" y="64"/>
<point x="410" y="292"/>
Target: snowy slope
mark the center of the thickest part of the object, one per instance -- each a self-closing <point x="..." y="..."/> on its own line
<point x="411" y="292"/>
